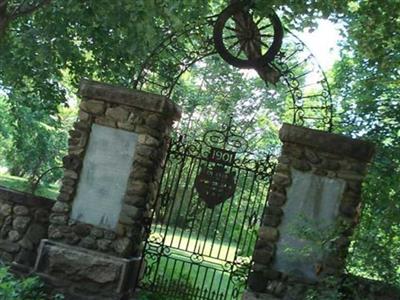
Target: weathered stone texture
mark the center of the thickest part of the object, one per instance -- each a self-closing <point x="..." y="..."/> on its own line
<point x="151" y="118"/>
<point x="24" y="220"/>
<point x="321" y="154"/>
<point x="82" y="272"/>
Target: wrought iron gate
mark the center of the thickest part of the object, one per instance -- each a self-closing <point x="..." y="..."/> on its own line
<point x="204" y="227"/>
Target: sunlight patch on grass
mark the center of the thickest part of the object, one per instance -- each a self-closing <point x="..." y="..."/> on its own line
<point x="22" y="185"/>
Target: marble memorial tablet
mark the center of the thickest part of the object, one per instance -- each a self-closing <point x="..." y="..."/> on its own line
<point x="312" y="205"/>
<point x="104" y="176"/>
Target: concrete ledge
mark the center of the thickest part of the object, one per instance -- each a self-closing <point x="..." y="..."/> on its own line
<point x="25" y="199"/>
<point x="155" y="103"/>
<point x="327" y="142"/>
<point x="85" y="273"/>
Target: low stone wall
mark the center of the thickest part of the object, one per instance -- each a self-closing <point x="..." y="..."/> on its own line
<point x="24" y="221"/>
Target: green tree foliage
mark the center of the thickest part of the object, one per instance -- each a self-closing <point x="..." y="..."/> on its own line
<point x="367" y="81"/>
<point x="44" y="54"/>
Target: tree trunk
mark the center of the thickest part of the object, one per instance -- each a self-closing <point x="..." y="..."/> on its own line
<point x="3" y="17"/>
<point x="20" y="11"/>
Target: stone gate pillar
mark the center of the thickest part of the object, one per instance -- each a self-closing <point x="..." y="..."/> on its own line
<point x="111" y="177"/>
<point x="313" y="207"/>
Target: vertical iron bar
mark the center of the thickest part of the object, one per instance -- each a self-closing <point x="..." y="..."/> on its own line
<point x="245" y="218"/>
<point x="173" y="202"/>
<point x="236" y="216"/>
<point x="181" y="200"/>
<point x="228" y="214"/>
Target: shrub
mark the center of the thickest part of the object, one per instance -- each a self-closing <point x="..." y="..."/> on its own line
<point x="30" y="288"/>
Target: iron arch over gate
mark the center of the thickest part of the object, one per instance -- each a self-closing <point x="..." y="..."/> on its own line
<point x="301" y="75"/>
<point x="206" y="218"/>
<point x="213" y="190"/>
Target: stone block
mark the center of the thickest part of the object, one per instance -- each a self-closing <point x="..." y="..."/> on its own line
<point x="104" y="245"/>
<point x="90" y="272"/>
<point x="61" y="207"/>
<point x="21" y="210"/>
<point x="301" y="165"/>
<point x="14" y="236"/>
<point x="41" y="215"/>
<point x="36" y="232"/>
<point x="72" y="162"/>
<point x="350" y="175"/>
<point x="320" y="172"/>
<point x="284" y="159"/>
<point x="312" y="156"/>
<point x="154" y="121"/>
<point x="292" y="150"/>
<point x="97" y="232"/>
<point x="126" y="126"/>
<point x="148" y="140"/>
<point x="9" y="246"/>
<point x="330" y="165"/>
<point x="55" y="233"/>
<point x="274" y="211"/>
<point x="59" y="219"/>
<point x="263" y="256"/>
<point x="105" y="122"/>
<point x="276" y="199"/>
<point x="282" y="179"/>
<point x="133" y="211"/>
<point x="141" y="173"/>
<point x="82" y="229"/>
<point x="138" y="188"/>
<point x="271" y="220"/>
<point x="94" y="107"/>
<point x="70" y="174"/>
<point x="117" y="113"/>
<point x="257" y="282"/>
<point x="83" y="116"/>
<point x="72" y="238"/>
<point x="5" y="209"/>
<point x="109" y="235"/>
<point x="268" y="233"/>
<point x="348" y="209"/>
<point x="21" y="223"/>
<point x="88" y="242"/>
<point x="6" y="257"/>
<point x="122" y="246"/>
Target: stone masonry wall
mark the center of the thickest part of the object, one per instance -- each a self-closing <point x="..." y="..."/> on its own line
<point x="23" y="223"/>
<point x="325" y="155"/>
<point x="127" y="110"/>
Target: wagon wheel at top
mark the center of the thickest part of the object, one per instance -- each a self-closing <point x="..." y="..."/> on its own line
<point x="246" y="41"/>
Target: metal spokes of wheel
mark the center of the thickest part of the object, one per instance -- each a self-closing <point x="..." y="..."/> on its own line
<point x="245" y="40"/>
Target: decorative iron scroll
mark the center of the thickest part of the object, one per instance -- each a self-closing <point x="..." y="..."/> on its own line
<point x="311" y="101"/>
<point x="204" y="228"/>
<point x="227" y="139"/>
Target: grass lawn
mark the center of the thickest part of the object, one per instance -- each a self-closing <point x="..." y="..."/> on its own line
<point x="178" y="274"/>
<point x="22" y="185"/>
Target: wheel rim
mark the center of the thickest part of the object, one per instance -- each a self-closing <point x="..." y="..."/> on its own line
<point x="253" y="36"/>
